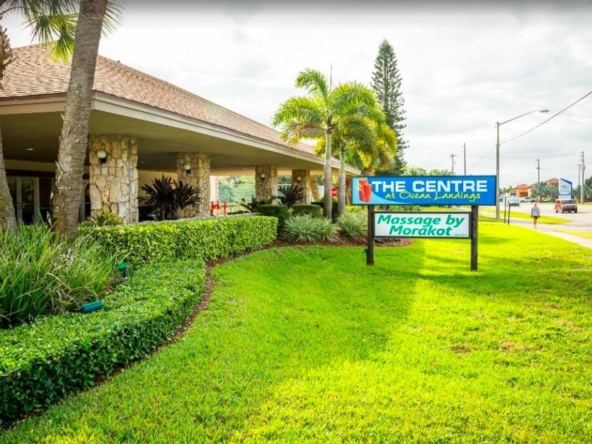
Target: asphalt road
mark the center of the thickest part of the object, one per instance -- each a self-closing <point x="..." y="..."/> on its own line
<point x="582" y="220"/>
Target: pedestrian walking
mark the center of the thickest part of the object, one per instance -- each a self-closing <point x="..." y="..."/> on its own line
<point x="535" y="213"/>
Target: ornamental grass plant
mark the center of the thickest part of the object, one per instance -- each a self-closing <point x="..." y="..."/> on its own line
<point x="353" y="226"/>
<point x="309" y="229"/>
<point x="42" y="274"/>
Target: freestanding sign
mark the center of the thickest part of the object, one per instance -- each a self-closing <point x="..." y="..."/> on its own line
<point x="565" y="188"/>
<point x="424" y="190"/>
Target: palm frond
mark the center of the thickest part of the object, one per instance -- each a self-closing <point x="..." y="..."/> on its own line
<point x="354" y="99"/>
<point x="315" y="82"/>
<point x="53" y="22"/>
<point x="298" y="109"/>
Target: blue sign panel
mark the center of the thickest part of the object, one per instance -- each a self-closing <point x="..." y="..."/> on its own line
<point x="424" y="190"/>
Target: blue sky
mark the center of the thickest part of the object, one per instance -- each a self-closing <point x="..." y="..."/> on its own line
<point x="463" y="69"/>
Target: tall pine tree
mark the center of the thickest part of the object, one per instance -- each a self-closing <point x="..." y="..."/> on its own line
<point x="386" y="83"/>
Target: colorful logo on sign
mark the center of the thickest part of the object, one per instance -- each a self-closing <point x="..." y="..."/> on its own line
<point x="424" y="190"/>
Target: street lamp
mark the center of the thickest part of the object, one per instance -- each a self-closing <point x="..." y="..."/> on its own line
<point x="497" y="148"/>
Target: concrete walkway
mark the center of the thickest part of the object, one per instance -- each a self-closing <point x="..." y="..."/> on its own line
<point x="551" y="230"/>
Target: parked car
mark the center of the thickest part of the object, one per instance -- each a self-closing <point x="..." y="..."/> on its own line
<point x="513" y="202"/>
<point x="527" y="199"/>
<point x="564" y="205"/>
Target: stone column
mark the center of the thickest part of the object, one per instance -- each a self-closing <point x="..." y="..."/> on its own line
<point x="113" y="181"/>
<point x="266" y="184"/>
<point x="198" y="176"/>
<point x="302" y="179"/>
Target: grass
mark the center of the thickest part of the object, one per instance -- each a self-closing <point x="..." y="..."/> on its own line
<point x="308" y="344"/>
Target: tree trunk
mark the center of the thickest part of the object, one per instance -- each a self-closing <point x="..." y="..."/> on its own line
<point x="7" y="217"/>
<point x="327" y="198"/>
<point x="67" y="192"/>
<point x="341" y="191"/>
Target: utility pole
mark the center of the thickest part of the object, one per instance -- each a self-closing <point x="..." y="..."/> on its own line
<point x="452" y="156"/>
<point x="465" y="156"/>
<point x="583" y="178"/>
<point x="580" y="176"/>
<point x="539" y="179"/>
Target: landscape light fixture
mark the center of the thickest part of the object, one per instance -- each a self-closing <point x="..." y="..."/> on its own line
<point x="497" y="157"/>
<point x="187" y="169"/>
<point x="102" y="155"/>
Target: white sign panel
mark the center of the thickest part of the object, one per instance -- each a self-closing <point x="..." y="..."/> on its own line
<point x="419" y="224"/>
<point x="565" y="188"/>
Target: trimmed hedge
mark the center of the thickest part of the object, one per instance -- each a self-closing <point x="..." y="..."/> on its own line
<point x="42" y="362"/>
<point x="307" y="210"/>
<point x="279" y="211"/>
<point x="205" y="239"/>
<point x="334" y="204"/>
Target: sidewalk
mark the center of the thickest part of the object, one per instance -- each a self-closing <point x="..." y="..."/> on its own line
<point x="551" y="230"/>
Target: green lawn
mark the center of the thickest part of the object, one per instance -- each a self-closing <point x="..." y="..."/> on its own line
<point x="308" y="344"/>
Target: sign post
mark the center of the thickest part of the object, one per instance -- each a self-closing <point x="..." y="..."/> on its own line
<point x="474" y="236"/>
<point x="370" y="246"/>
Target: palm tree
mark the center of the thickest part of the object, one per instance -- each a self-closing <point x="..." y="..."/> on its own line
<point x="317" y="115"/>
<point x="50" y="21"/>
<point x="365" y="142"/>
<point x="74" y="138"/>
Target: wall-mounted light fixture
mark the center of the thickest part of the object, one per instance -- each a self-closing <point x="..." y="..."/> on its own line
<point x="102" y="155"/>
<point x="187" y="169"/>
<point x="262" y="176"/>
<point x="299" y="179"/>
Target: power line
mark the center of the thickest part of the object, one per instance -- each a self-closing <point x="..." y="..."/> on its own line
<point x="550" y="118"/>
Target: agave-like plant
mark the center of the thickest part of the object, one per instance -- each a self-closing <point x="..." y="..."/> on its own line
<point x="167" y="197"/>
<point x="160" y="196"/>
<point x="185" y="195"/>
<point x="292" y="194"/>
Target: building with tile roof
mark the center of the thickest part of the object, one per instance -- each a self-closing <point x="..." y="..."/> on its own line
<point x="145" y="125"/>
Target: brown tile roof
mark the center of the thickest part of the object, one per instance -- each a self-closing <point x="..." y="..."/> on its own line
<point x="35" y="73"/>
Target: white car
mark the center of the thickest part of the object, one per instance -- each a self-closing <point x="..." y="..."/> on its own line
<point x="527" y="199"/>
<point x="513" y="202"/>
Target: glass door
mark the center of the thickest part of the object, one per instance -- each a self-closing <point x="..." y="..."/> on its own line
<point x="29" y="209"/>
<point x="25" y="198"/>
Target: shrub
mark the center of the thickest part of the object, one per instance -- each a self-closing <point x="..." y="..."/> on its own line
<point x="334" y="214"/>
<point x="41" y="273"/>
<point x="353" y="225"/>
<point x="255" y="204"/>
<point x="186" y="239"/>
<point x="167" y="197"/>
<point x="41" y="363"/>
<point x="355" y="209"/>
<point x="290" y="194"/>
<point x="307" y="210"/>
<point x="105" y="217"/>
<point x="279" y="211"/>
<point x="308" y="229"/>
